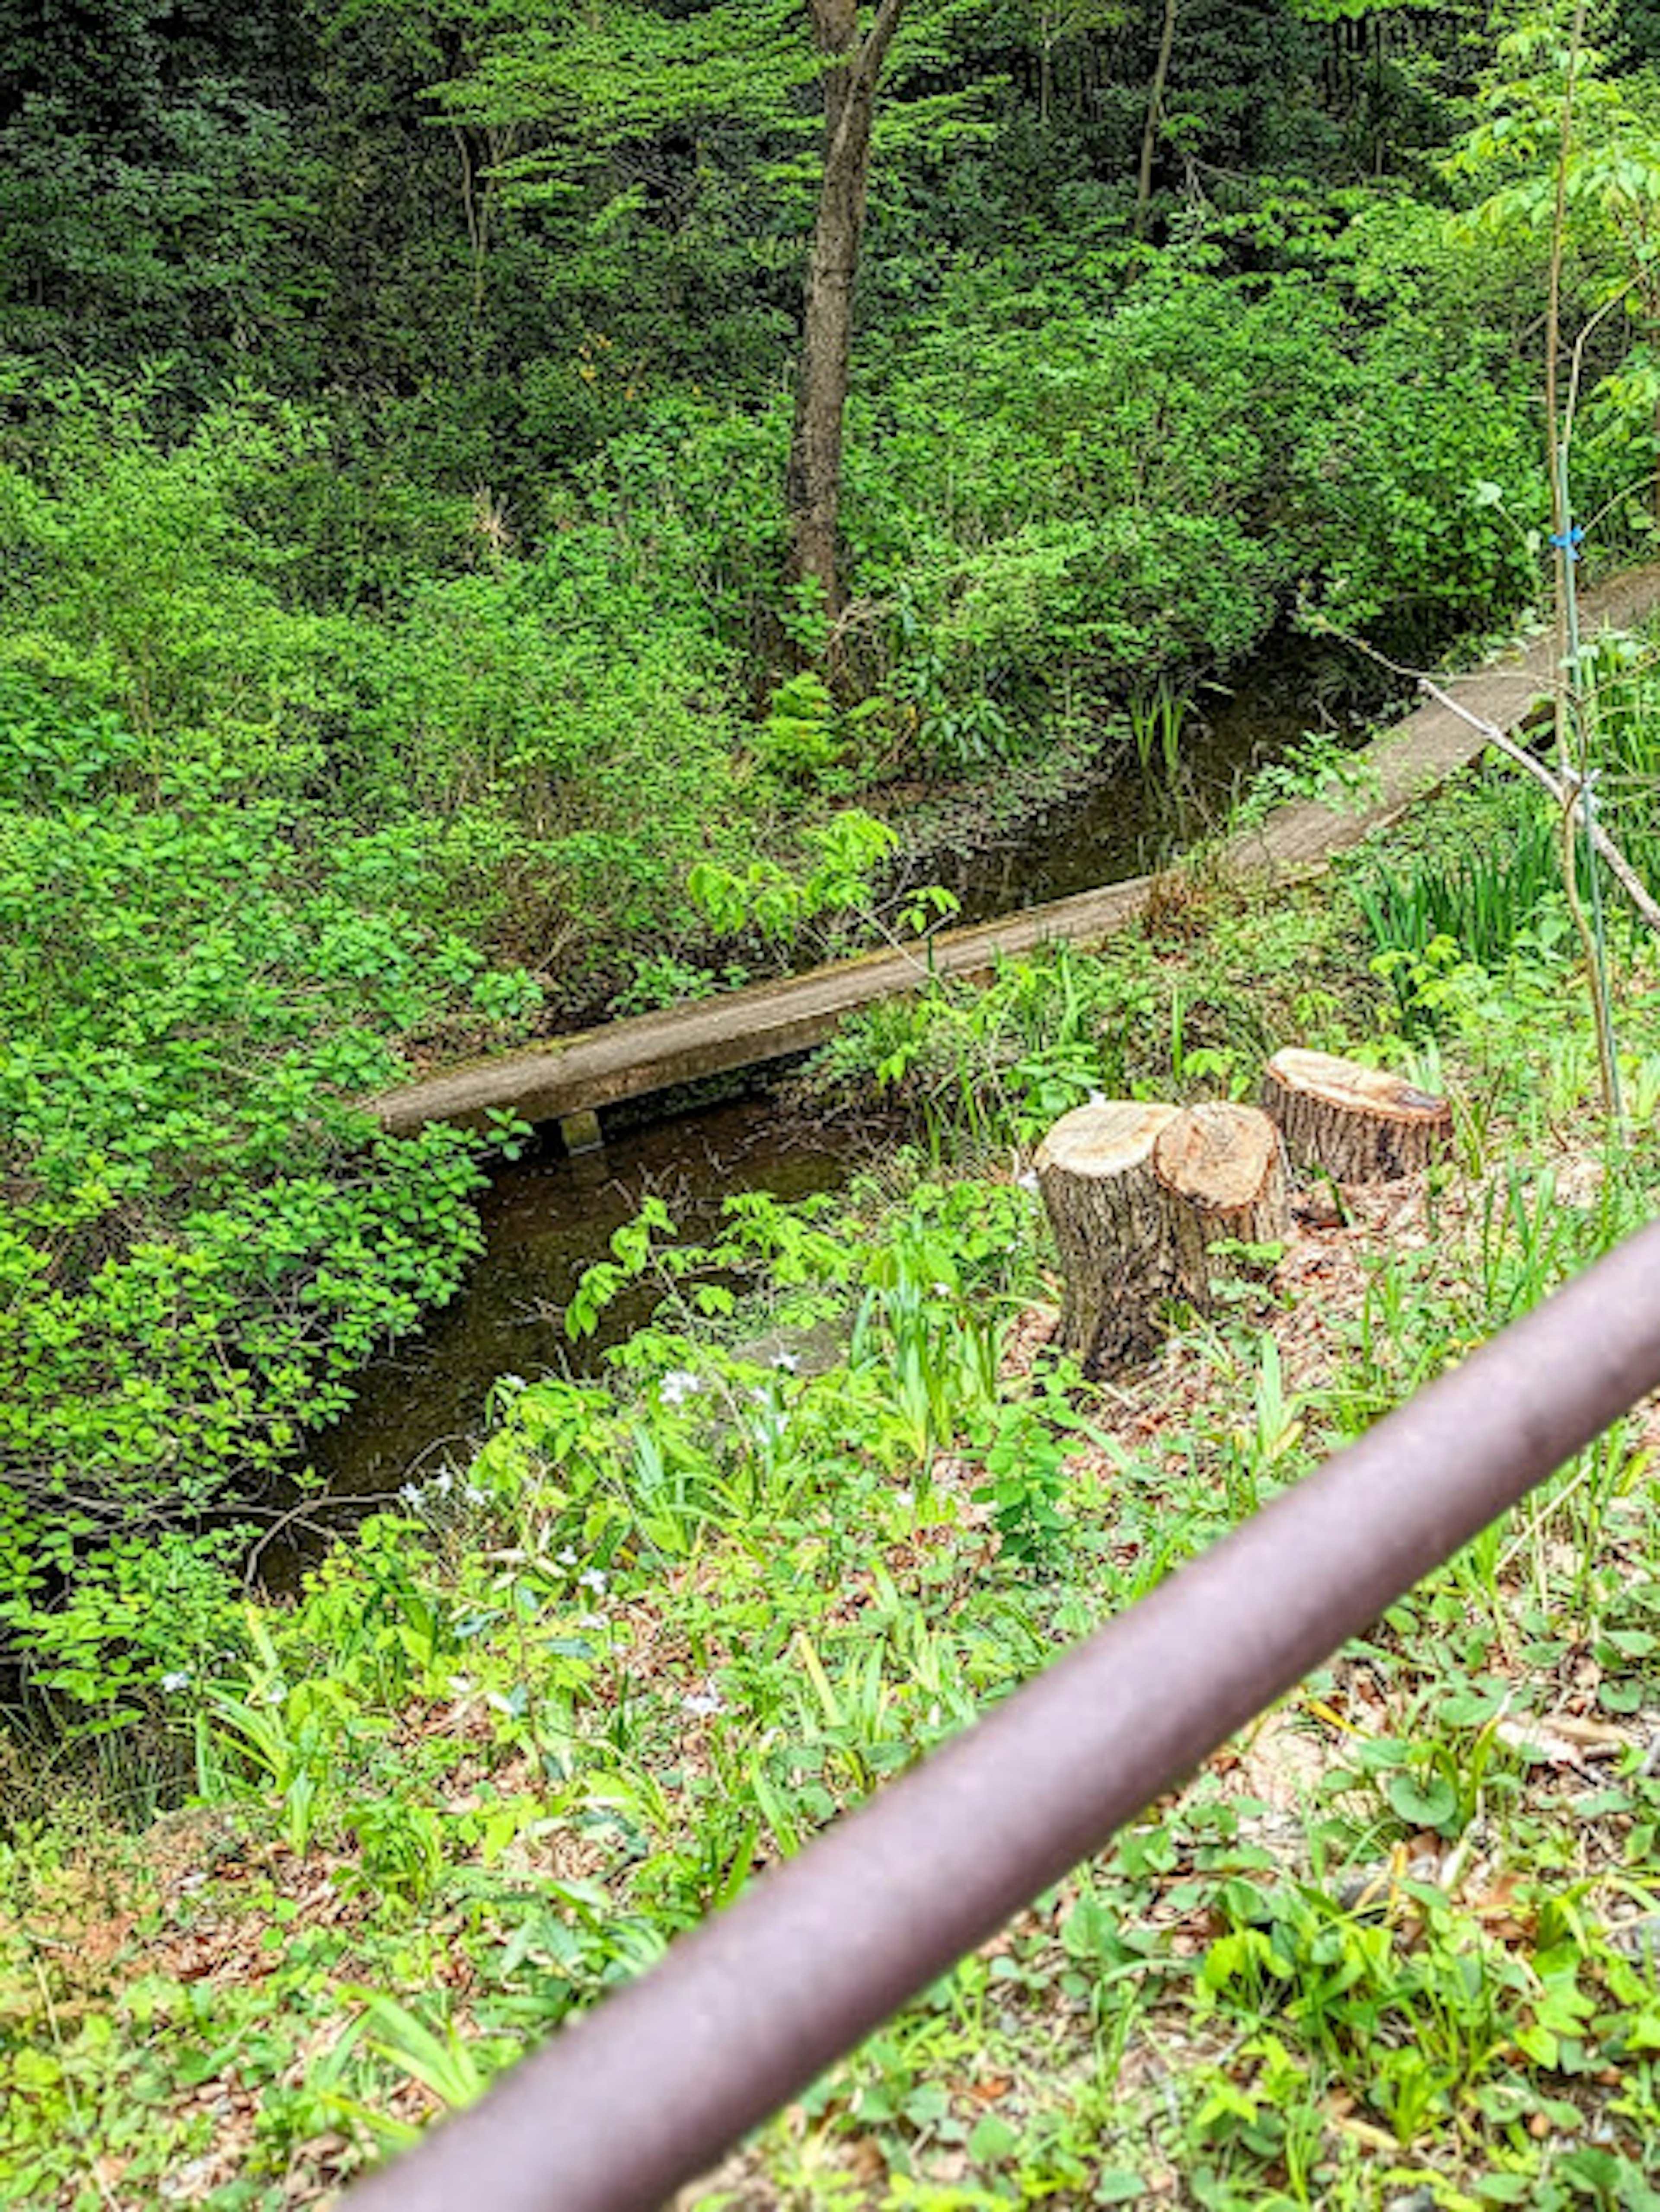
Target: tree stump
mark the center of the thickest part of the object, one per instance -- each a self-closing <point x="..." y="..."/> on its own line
<point x="1359" y="1124"/>
<point x="1095" y="1171"/>
<point x="1221" y="1176"/>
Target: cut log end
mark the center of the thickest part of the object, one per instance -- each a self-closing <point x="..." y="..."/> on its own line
<point x="1221" y="1174"/>
<point x="1222" y="1159"/>
<point x="1111" y="1138"/>
<point x="1138" y="1194"/>
<point x="1358" y="1124"/>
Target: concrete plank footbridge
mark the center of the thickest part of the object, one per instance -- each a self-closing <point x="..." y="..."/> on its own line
<point x="570" y="1079"/>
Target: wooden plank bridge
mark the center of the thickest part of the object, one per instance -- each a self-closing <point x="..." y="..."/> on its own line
<point x="570" y="1078"/>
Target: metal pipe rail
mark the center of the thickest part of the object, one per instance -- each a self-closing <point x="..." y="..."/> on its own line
<point x="647" y="2091"/>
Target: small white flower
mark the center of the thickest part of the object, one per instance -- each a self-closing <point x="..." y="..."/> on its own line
<point x="702" y="1703"/>
<point x="411" y="1494"/>
<point x="475" y="1496"/>
<point x="593" y="1578"/>
<point x="788" y="1361"/>
<point x="1026" y="1179"/>
<point x="443" y="1482"/>
<point x="905" y="1498"/>
<point x="461" y="1685"/>
<point x="275" y="1693"/>
<point x="758" y="1396"/>
<point x="1098" y="1098"/>
<point x="592" y="1620"/>
<point x="567" y="1558"/>
<point x="179" y="1681"/>
<point x="677" y="1386"/>
<point x="511" y="1384"/>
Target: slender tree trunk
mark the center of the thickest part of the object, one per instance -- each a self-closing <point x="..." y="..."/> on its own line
<point x="813" y="490"/>
<point x="1155" y="109"/>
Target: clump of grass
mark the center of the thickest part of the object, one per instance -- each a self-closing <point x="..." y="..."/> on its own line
<point x="1482" y="896"/>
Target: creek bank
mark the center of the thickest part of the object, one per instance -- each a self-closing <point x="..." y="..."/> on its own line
<point x="764" y="1022"/>
<point x="1084" y="812"/>
<point x="546" y="1219"/>
<point x="1112" y="817"/>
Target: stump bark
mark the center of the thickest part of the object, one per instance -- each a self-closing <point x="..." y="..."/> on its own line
<point x="1359" y="1124"/>
<point x="1221" y="1176"/>
<point x="1095" y="1171"/>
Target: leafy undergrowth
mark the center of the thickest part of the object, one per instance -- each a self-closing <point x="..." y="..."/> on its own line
<point x="201" y="1237"/>
<point x="1395" y="1946"/>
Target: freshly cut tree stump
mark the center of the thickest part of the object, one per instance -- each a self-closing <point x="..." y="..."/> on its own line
<point x="1221" y="1176"/>
<point x="1095" y="1171"/>
<point x="1359" y="1124"/>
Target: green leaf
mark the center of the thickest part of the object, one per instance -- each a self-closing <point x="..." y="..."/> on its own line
<point x="992" y="2139"/>
<point x="1421" y="1802"/>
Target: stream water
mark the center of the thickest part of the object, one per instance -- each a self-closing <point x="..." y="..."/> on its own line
<point x="1128" y="823"/>
<point x="546" y="1217"/>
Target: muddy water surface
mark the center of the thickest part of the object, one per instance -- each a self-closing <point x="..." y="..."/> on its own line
<point x="545" y="1218"/>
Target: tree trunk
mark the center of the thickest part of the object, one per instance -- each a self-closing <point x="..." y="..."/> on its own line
<point x="1155" y="109"/>
<point x="813" y="487"/>
<point x="1095" y="1171"/>
<point x="1359" y="1124"/>
<point x="1221" y="1174"/>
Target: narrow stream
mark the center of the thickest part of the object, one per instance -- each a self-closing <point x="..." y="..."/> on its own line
<point x="546" y="1217"/>
<point x="1128" y="822"/>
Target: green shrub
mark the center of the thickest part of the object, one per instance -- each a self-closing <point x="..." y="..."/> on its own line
<point x="201" y="1237"/>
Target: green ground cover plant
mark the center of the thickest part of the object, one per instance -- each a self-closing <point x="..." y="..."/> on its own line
<point x="578" y="1688"/>
<point x="201" y="1242"/>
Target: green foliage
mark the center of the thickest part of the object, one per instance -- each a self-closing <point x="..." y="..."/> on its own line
<point x="1483" y="901"/>
<point x="1135" y="492"/>
<point x="543" y="741"/>
<point x="162" y="240"/>
<point x="132" y="574"/>
<point x="676" y="1617"/>
<point x="393" y="652"/>
<point x="798" y="737"/>
<point x="202" y="1240"/>
<point x="146" y="1620"/>
<point x="845" y="852"/>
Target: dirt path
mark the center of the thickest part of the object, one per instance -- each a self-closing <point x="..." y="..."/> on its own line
<point x="579" y="1073"/>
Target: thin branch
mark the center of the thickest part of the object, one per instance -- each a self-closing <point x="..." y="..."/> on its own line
<point x="1642" y="483"/>
<point x="1554" y="291"/>
<point x="1607" y="307"/>
<point x="1562" y="792"/>
<point x="1568" y="796"/>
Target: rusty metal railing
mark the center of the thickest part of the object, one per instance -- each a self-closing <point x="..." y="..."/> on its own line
<point x="648" y="2090"/>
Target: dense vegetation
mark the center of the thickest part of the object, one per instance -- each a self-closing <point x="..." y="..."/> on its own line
<point x="407" y="646"/>
<point x="564" y="1699"/>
